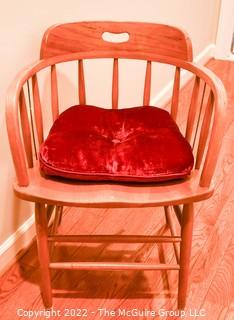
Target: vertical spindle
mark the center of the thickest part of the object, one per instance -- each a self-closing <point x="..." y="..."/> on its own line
<point x="54" y="93"/>
<point x="115" y="84"/>
<point x="175" y="94"/>
<point x="147" y="87"/>
<point x="82" y="95"/>
<point x="37" y="109"/>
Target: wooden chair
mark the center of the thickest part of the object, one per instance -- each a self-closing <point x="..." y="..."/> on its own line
<point x="204" y="125"/>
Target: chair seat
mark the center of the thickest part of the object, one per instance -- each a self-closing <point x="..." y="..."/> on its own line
<point x="59" y="191"/>
<point x="140" y="144"/>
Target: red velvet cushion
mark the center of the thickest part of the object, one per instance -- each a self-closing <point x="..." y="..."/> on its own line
<point x="137" y="144"/>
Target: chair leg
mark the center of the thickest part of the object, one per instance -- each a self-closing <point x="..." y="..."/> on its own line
<point x="166" y="215"/>
<point x="49" y="211"/>
<point x="185" y="252"/>
<point x="60" y="215"/>
<point x="43" y="253"/>
<point x="54" y="229"/>
<point x="57" y="219"/>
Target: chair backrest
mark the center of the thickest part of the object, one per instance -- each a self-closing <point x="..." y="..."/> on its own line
<point x="89" y="37"/>
<point x="154" y="38"/>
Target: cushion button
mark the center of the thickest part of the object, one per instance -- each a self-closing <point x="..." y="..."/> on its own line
<point x="115" y="140"/>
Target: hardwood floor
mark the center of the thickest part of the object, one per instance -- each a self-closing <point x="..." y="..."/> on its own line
<point x="212" y="262"/>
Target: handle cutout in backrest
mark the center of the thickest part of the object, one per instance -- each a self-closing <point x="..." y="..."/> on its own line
<point x="91" y="35"/>
<point x="115" y="37"/>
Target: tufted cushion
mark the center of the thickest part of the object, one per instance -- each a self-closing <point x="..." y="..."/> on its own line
<point x="140" y="144"/>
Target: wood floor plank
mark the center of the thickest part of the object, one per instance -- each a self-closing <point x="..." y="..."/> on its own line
<point x="228" y="313"/>
<point x="221" y="290"/>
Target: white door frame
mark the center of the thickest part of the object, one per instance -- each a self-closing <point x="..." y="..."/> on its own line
<point x="225" y="30"/>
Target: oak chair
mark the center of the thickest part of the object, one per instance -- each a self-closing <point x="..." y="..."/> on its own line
<point x="204" y="125"/>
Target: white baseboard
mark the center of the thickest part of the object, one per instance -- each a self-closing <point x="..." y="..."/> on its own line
<point x="164" y="94"/>
<point x="11" y="248"/>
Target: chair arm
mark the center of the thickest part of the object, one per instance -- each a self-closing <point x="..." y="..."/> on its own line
<point x="217" y="131"/>
<point x="12" y="121"/>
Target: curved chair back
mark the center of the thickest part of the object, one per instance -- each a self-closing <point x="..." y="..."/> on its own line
<point x="90" y="37"/>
